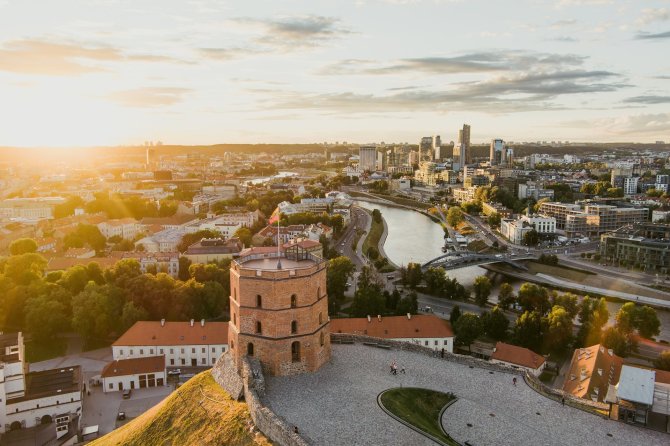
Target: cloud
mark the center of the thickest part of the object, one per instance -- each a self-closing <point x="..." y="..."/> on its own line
<point x="290" y="33"/>
<point x="503" y="94"/>
<point x="648" y="99"/>
<point x="650" y="125"/>
<point x="565" y="3"/>
<point x="149" y="96"/>
<point x="559" y="24"/>
<point x="41" y="57"/>
<point x="224" y="54"/>
<point x="480" y="62"/>
<point x="650" y="15"/>
<point x="653" y="36"/>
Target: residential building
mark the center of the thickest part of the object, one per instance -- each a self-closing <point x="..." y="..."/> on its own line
<point x="427" y="330"/>
<point x="645" y="246"/>
<point x="642" y="394"/>
<point x="436" y="147"/>
<point x="279" y="309"/>
<point x="426" y="152"/>
<point x="496" y="152"/>
<point x="518" y="358"/>
<point x="534" y="190"/>
<point x="592" y="370"/>
<point x="658" y="216"/>
<point x="515" y="230"/>
<point x="163" y="241"/>
<point x="464" y="195"/>
<point x="496" y="208"/>
<point x="34" y="208"/>
<point x="367" y="158"/>
<point x="630" y="185"/>
<point x="31" y="398"/>
<point x="158" y="262"/>
<point x="192" y="344"/>
<point x="135" y="373"/>
<point x="464" y="142"/>
<point x="210" y="250"/>
<point x="592" y="219"/>
<point x="126" y="228"/>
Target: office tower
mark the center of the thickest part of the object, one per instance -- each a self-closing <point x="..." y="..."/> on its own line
<point x="436" y="145"/>
<point x="426" y="148"/>
<point x="381" y="160"/>
<point x="413" y="158"/>
<point x="464" y="139"/>
<point x="367" y="158"/>
<point x="496" y="152"/>
<point x="508" y="156"/>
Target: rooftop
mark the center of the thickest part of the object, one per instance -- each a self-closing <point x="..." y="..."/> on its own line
<point x="134" y="366"/>
<point x="51" y="383"/>
<point x="514" y="354"/>
<point x="395" y="327"/>
<point x="174" y="333"/>
<point x="636" y="385"/>
<point x="592" y="368"/>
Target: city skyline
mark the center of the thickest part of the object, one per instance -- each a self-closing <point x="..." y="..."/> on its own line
<point x="200" y="72"/>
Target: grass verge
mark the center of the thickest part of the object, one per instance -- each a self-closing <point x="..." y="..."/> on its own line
<point x="420" y="408"/>
<point x="199" y="413"/>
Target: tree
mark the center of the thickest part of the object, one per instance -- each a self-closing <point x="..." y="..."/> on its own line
<point x="25" y="268"/>
<point x="75" y="279"/>
<point x="95" y="313"/>
<point x="467" y="328"/>
<point x="506" y="296"/>
<point x="559" y="329"/>
<point x="618" y="341"/>
<point x="245" y="236"/>
<point x="663" y="361"/>
<point x="494" y="220"/>
<point x="529" y="330"/>
<point x="408" y="304"/>
<point x="495" y="324"/>
<point x="568" y="301"/>
<point x="189" y="239"/>
<point x="533" y="297"/>
<point x="22" y="246"/>
<point x="412" y="275"/>
<point x="454" y="216"/>
<point x="369" y="299"/>
<point x="454" y="315"/>
<point x="482" y="287"/>
<point x="340" y="270"/>
<point x="436" y="279"/>
<point x="184" y="266"/>
<point x="531" y="238"/>
<point x="45" y="318"/>
<point x="647" y="322"/>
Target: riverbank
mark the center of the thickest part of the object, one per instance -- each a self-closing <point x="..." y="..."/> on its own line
<point x="376" y="238"/>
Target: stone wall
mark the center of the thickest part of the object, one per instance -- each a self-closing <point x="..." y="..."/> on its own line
<point x="273" y="426"/>
<point x="225" y="375"/>
<point x="346" y="338"/>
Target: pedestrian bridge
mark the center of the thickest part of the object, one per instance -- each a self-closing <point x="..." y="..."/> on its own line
<point x="460" y="259"/>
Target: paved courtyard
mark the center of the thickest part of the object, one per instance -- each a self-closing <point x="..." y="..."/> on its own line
<point x="338" y="405"/>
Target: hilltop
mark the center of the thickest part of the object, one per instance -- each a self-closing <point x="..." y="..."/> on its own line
<point x="199" y="412"/>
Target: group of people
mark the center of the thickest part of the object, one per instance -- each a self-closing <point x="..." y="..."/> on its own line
<point x="394" y="368"/>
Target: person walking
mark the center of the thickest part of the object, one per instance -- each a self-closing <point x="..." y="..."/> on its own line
<point x="442" y="353"/>
<point x="563" y="401"/>
<point x="514" y="380"/>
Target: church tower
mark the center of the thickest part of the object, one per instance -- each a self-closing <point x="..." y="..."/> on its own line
<point x="279" y="308"/>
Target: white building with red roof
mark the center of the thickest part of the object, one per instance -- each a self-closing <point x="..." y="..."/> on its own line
<point x="191" y="344"/>
<point x="518" y="358"/>
<point x="135" y="373"/>
<point x="422" y="329"/>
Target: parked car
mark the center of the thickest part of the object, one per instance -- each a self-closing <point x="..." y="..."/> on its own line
<point x="127" y="393"/>
<point x="174" y="372"/>
<point x="121" y="416"/>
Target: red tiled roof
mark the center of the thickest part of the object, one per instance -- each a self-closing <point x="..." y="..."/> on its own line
<point x="600" y="369"/>
<point x="63" y="263"/>
<point x="662" y="376"/>
<point x="514" y="354"/>
<point x="395" y="327"/>
<point x="174" y="333"/>
<point x="134" y="366"/>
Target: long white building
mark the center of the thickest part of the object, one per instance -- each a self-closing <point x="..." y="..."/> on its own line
<point x="191" y="344"/>
<point x="28" y="399"/>
<point x="515" y="230"/>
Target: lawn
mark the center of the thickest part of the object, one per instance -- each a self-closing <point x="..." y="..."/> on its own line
<point x="419" y="407"/>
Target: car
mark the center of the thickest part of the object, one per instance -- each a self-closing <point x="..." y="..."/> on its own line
<point x="127" y="393"/>
<point x="174" y="372"/>
<point x="121" y="416"/>
<point x="390" y="277"/>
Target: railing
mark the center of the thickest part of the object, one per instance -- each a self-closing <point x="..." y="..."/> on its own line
<point x="593" y="407"/>
<point x="275" y="255"/>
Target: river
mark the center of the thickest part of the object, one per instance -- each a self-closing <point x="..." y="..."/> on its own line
<point x="413" y="237"/>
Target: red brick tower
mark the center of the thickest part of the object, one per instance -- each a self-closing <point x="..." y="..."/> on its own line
<point x="279" y="308"/>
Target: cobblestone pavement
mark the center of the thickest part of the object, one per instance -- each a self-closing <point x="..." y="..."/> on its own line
<point x="338" y="405"/>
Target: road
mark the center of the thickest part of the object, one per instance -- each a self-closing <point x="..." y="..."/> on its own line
<point x="359" y="220"/>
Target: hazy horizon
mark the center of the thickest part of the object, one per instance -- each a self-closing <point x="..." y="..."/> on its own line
<point x="109" y="73"/>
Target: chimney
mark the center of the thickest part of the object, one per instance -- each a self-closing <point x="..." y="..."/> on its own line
<point x="162" y="322"/>
<point x="379" y="317"/>
<point x="202" y="322"/>
<point x="409" y="316"/>
<point x="192" y="322"/>
<point x="369" y="318"/>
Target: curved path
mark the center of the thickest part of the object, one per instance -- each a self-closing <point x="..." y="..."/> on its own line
<point x="337" y="405"/>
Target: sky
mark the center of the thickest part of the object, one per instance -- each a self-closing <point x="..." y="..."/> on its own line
<point x="116" y="72"/>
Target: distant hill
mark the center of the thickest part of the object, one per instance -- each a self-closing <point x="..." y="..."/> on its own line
<point x="199" y="413"/>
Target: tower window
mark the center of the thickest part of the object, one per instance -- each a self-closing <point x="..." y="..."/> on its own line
<point x="259" y="328"/>
<point x="259" y="301"/>
<point x="294" y="327"/>
<point x="294" y="301"/>
<point x="318" y="293"/>
<point x="250" y="349"/>
<point x="321" y="339"/>
<point x="320" y="318"/>
<point x="295" y="351"/>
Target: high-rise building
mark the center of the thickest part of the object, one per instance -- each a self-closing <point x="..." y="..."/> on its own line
<point x="496" y="152"/>
<point x="413" y="158"/>
<point x="436" y="145"/>
<point x="464" y="139"/>
<point x="426" y="148"/>
<point x="367" y="158"/>
<point x="458" y="157"/>
<point x="279" y="308"/>
<point x="382" y="160"/>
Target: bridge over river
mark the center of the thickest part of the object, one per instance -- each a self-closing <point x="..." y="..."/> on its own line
<point x="459" y="259"/>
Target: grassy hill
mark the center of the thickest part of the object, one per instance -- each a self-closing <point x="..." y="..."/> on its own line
<point x="199" y="412"/>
